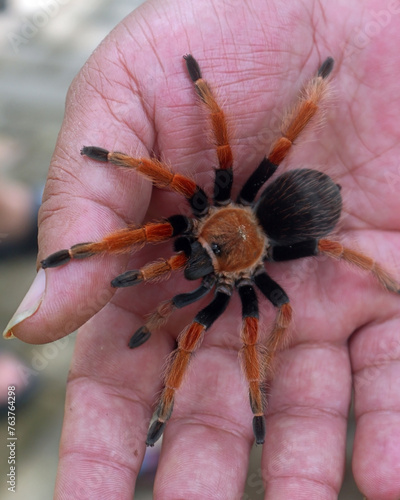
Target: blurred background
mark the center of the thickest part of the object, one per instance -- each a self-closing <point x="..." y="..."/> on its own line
<point x="43" y="44"/>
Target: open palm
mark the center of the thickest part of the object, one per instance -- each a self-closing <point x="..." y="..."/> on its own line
<point x="134" y="95"/>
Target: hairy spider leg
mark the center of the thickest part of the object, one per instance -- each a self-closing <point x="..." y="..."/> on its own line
<point x="158" y="173"/>
<point x="294" y="123"/>
<point x="166" y="308"/>
<point x="338" y="251"/>
<point x="122" y="240"/>
<point x="188" y="342"/>
<point x="278" y="338"/>
<point x="252" y="357"/>
<point x="223" y="174"/>
<point x="150" y="272"/>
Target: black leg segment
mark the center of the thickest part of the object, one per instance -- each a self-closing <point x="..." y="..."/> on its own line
<point x="180" y="224"/>
<point x="95" y="153"/>
<point x="326" y="67"/>
<point x="260" y="175"/>
<point x="270" y="288"/>
<point x="249" y="300"/>
<point x="215" y="308"/>
<point x="299" y="250"/>
<point x="223" y="185"/>
<point x="185" y="299"/>
<point x="199" y="203"/>
<point x="193" y="67"/>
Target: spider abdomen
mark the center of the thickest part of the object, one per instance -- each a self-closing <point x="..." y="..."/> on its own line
<point x="299" y="205"/>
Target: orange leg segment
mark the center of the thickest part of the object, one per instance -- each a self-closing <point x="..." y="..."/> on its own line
<point x="301" y="114"/>
<point x="218" y="121"/>
<point x="150" y="272"/>
<point x="188" y="342"/>
<point x="157" y="172"/>
<point x="279" y="337"/>
<point x="338" y="251"/>
<point x="253" y="365"/>
<point x="118" y="242"/>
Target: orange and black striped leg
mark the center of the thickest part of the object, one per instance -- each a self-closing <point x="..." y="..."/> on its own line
<point x="150" y="272"/>
<point x="295" y="122"/>
<point x="122" y="241"/>
<point x="188" y="342"/>
<point x="278" y="338"/>
<point x="158" y="173"/>
<point x="164" y="310"/>
<point x="252" y="357"/>
<point x="223" y="174"/>
<point x="338" y="251"/>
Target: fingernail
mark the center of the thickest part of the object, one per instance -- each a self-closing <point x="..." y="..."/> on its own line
<point x="29" y="305"/>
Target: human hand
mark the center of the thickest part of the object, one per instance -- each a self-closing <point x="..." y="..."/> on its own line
<point x="134" y="96"/>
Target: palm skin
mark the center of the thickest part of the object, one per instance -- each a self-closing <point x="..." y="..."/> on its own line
<point x="134" y="95"/>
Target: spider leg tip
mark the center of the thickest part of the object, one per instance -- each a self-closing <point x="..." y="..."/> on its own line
<point x="56" y="259"/>
<point x="259" y="428"/>
<point x="326" y="67"/>
<point x="130" y="278"/>
<point x="155" y="432"/>
<point x="192" y="67"/>
<point x="139" y="337"/>
<point x="95" y="153"/>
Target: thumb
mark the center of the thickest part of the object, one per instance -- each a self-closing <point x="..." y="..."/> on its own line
<point x="58" y="302"/>
<point x="84" y="200"/>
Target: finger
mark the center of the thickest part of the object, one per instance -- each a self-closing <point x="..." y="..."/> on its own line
<point x="304" y="452"/>
<point x="375" y="354"/>
<point x="108" y="408"/>
<point x="207" y="442"/>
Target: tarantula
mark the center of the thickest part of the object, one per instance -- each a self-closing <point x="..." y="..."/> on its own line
<point x="226" y="243"/>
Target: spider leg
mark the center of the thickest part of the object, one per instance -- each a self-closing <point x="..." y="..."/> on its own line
<point x="165" y="309"/>
<point x="252" y="356"/>
<point x="224" y="174"/>
<point x="150" y="272"/>
<point x="278" y="338"/>
<point x="188" y="342"/>
<point x="338" y="251"/>
<point x="121" y="241"/>
<point x="295" y="122"/>
<point x="157" y="172"/>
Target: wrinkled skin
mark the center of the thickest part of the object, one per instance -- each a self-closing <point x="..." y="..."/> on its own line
<point x="134" y="95"/>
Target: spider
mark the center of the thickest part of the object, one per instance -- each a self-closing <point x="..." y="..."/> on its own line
<point x="226" y="244"/>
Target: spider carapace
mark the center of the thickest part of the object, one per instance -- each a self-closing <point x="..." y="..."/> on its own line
<point x="226" y="244"/>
